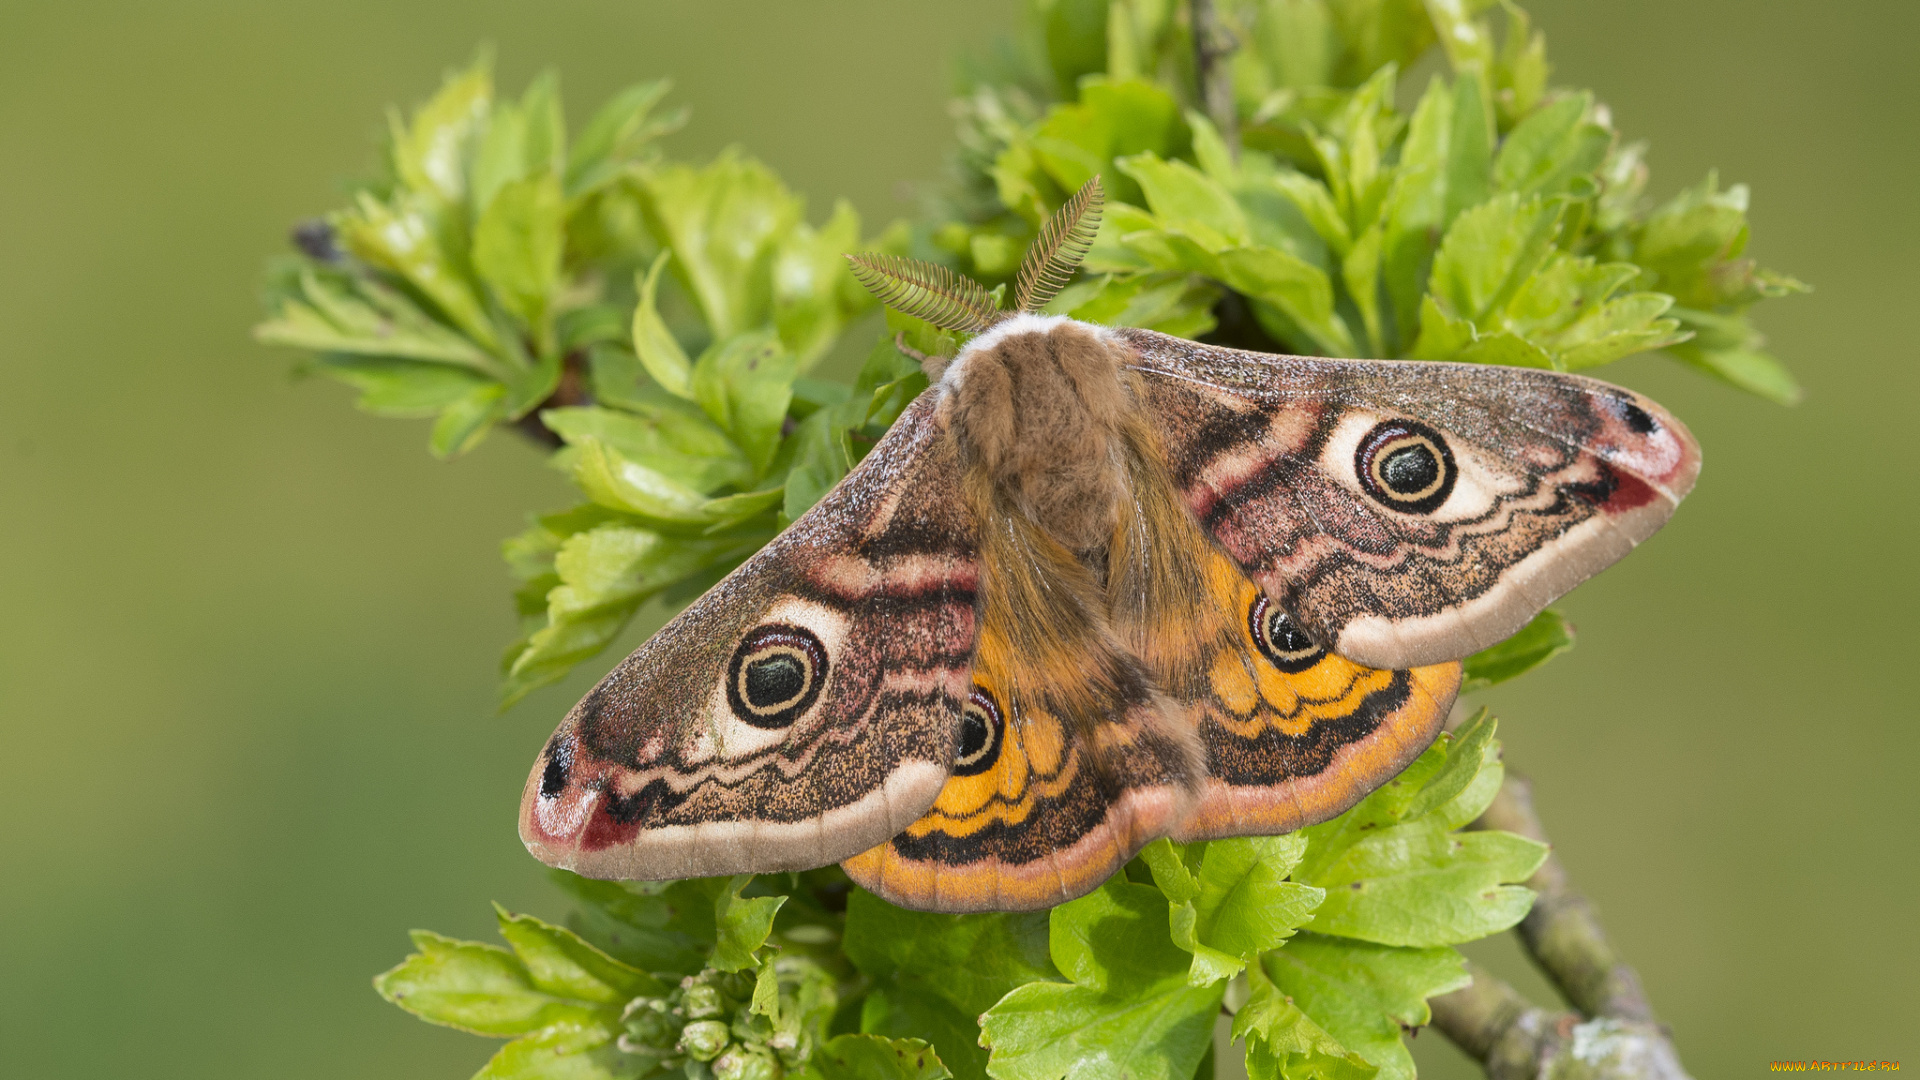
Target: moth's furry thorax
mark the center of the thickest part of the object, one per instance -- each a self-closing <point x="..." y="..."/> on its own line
<point x="1039" y="403"/>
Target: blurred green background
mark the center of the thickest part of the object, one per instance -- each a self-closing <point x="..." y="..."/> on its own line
<point x="247" y="659"/>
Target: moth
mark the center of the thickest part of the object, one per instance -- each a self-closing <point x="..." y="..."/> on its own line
<point x="1096" y="586"/>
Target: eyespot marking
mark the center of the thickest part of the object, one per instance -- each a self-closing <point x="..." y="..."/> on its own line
<point x="982" y="729"/>
<point x="775" y="675"/>
<point x="1406" y="466"/>
<point x="1280" y="639"/>
<point x="1638" y="420"/>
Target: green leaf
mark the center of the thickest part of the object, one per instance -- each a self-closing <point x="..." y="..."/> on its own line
<point x="933" y="975"/>
<point x="1299" y="292"/>
<point x="1128" y="1011"/>
<point x="735" y="511"/>
<point x="673" y="439"/>
<point x="1112" y="119"/>
<point x="1490" y="251"/>
<point x="1416" y="203"/>
<point x="821" y="457"/>
<point x="1415" y="884"/>
<point x="745" y="384"/>
<point x="1520" y="72"/>
<point x="479" y="988"/>
<point x="1470" y="752"/>
<point x="659" y="351"/>
<point x="465" y="421"/>
<point x="1283" y="1042"/>
<point x="618" y="484"/>
<point x="1465" y="40"/>
<point x="404" y="237"/>
<point x="1692" y="243"/>
<point x="603" y="575"/>
<point x="1188" y="201"/>
<point x="1046" y="1031"/>
<point x="1361" y="995"/>
<point x="1550" y="150"/>
<point x="971" y="960"/>
<point x="363" y="318"/>
<point x="1751" y="370"/>
<point x="870" y="1057"/>
<point x="722" y="224"/>
<point x="1315" y="203"/>
<point x="1170" y="302"/>
<point x="1729" y="348"/>
<point x="740" y="925"/>
<point x="1569" y="307"/>
<point x="544" y="142"/>
<point x="906" y="1007"/>
<point x="558" y="962"/>
<point x="616" y="135"/>
<point x="811" y="304"/>
<point x="1360" y="272"/>
<point x="1394" y="871"/>
<point x="1547" y="636"/>
<point x="401" y="388"/>
<point x="430" y="154"/>
<point x="1469" y="145"/>
<point x="517" y="247"/>
<point x="632" y="924"/>
<point x="1210" y="151"/>
<point x="565" y="1051"/>
<point x="1230" y="899"/>
<point x="501" y="158"/>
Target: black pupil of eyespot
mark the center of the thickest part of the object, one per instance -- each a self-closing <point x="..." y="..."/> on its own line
<point x="1638" y="419"/>
<point x="775" y="680"/>
<point x="973" y="735"/>
<point x="1286" y="637"/>
<point x="1410" y="469"/>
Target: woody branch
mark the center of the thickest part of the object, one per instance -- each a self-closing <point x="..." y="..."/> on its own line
<point x="1612" y="1036"/>
<point x="1213" y="47"/>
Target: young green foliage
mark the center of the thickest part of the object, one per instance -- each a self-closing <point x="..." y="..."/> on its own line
<point x="1498" y="221"/>
<point x="1341" y="932"/>
<point x="652" y="318"/>
<point x="655" y="322"/>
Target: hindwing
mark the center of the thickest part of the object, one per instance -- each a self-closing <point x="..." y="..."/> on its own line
<point x="1409" y="513"/>
<point x="1292" y="734"/>
<point x="1069" y="759"/>
<point x="802" y="710"/>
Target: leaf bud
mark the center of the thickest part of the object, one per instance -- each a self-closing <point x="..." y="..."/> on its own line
<point x="703" y="1040"/>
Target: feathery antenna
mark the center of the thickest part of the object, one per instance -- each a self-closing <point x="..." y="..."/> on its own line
<point x="1064" y="240"/>
<point x="923" y="290"/>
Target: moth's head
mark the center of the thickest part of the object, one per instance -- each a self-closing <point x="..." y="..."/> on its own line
<point x="957" y="303"/>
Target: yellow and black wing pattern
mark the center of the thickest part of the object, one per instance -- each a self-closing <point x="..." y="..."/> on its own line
<point x="1160" y="693"/>
<point x="1291" y="733"/>
<point x="1068" y="759"/>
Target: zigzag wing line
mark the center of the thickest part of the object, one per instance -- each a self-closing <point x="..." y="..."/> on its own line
<point x="656" y="775"/>
<point x="1559" y="476"/>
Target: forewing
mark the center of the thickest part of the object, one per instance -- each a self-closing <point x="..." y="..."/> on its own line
<point x="1069" y="760"/>
<point x="1410" y="513"/>
<point x="802" y="710"/>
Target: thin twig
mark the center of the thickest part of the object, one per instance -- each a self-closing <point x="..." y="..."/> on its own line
<point x="1213" y="48"/>
<point x="571" y="390"/>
